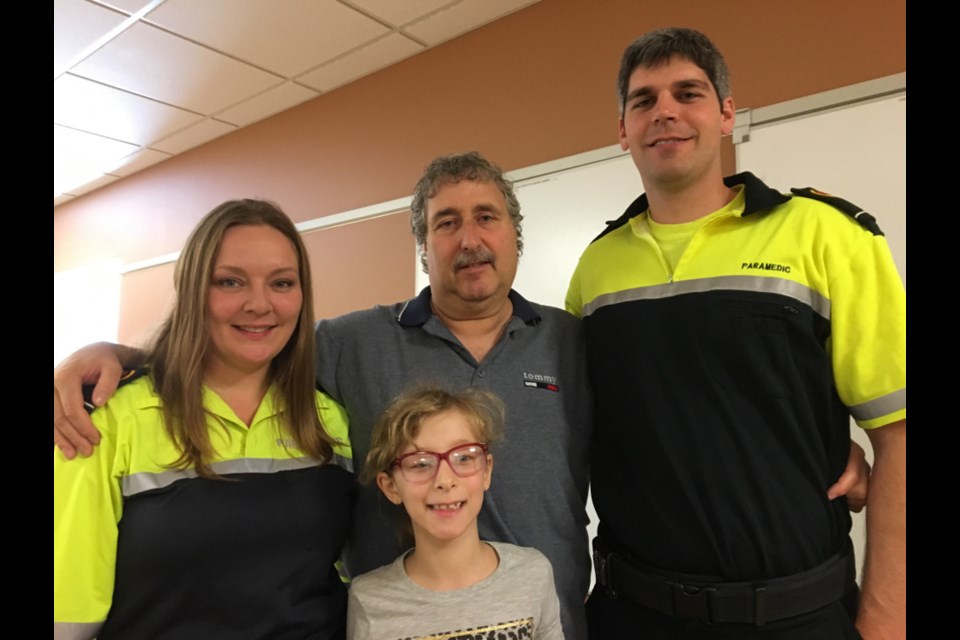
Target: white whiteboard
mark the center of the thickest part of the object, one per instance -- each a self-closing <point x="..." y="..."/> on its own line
<point x="562" y="213"/>
<point x="95" y="289"/>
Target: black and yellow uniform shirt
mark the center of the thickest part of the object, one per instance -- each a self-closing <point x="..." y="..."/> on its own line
<point x="146" y="550"/>
<point x="725" y="385"/>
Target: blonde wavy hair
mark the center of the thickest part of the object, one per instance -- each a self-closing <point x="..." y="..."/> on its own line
<point x="176" y="356"/>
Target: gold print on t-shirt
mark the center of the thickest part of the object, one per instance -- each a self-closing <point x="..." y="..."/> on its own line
<point x="512" y="630"/>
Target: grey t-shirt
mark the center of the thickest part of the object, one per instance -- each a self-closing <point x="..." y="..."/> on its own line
<point x="517" y="600"/>
<point x="538" y="367"/>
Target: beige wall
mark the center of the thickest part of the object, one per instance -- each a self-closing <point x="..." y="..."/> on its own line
<point x="532" y="87"/>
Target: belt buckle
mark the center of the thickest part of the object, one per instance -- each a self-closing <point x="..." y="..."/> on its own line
<point x="691" y="602"/>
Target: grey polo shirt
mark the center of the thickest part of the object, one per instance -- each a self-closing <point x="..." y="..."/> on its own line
<point x="538" y="368"/>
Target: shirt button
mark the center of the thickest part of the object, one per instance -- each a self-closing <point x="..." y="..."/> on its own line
<point x="481" y="373"/>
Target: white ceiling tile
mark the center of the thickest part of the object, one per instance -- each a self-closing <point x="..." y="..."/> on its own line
<point x="462" y="17"/>
<point x="103" y="180"/>
<point x="156" y="64"/>
<point x="361" y="62"/>
<point x="157" y="82"/>
<point x="399" y="13"/>
<point x="79" y="156"/>
<point x="286" y="37"/>
<point x="76" y="25"/>
<point x="194" y="136"/>
<point x="90" y="106"/>
<point x="266" y="104"/>
<point x="130" y="6"/>
<point x="138" y="161"/>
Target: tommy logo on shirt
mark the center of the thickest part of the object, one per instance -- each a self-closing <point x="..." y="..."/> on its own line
<point x="540" y="381"/>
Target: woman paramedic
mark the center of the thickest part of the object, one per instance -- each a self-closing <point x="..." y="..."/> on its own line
<point x="219" y="499"/>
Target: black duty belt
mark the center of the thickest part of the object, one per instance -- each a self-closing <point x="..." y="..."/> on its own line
<point x="754" y="602"/>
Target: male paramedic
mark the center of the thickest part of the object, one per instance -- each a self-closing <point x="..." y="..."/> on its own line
<point x="731" y="333"/>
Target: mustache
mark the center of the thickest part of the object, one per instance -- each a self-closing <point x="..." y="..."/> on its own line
<point x="470" y="258"/>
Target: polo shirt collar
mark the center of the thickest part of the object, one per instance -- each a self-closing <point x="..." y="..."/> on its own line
<point x="416" y="312"/>
<point x="757" y="197"/>
<point x="213" y="403"/>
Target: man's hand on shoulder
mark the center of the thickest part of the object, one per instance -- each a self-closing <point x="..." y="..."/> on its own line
<point x="98" y="364"/>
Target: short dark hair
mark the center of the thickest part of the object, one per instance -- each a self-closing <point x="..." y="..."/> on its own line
<point x="453" y="168"/>
<point x="657" y="47"/>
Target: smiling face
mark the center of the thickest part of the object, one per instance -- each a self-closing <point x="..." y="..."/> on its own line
<point x="445" y="508"/>
<point x="253" y="300"/>
<point x="471" y="245"/>
<point x="672" y="124"/>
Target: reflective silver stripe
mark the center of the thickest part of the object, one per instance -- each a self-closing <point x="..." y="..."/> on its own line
<point x="75" y="630"/>
<point x="343" y="462"/>
<point x="146" y="481"/>
<point x="884" y="405"/>
<point x="789" y="288"/>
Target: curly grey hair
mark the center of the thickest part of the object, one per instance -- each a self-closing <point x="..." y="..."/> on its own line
<point x="454" y="168"/>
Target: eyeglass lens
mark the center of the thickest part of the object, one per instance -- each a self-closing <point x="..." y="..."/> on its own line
<point x="422" y="466"/>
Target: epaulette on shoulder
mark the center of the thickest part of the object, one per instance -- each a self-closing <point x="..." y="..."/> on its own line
<point x="129" y="375"/>
<point x="866" y="220"/>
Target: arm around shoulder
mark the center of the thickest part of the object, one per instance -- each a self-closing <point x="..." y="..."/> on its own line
<point x="100" y="364"/>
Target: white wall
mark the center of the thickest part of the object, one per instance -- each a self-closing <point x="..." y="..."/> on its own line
<point x="86" y="306"/>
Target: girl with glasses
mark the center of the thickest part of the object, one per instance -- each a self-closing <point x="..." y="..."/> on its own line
<point x="430" y="453"/>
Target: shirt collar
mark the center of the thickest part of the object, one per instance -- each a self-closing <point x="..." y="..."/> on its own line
<point x="212" y="402"/>
<point x="416" y="312"/>
<point x="757" y="197"/>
